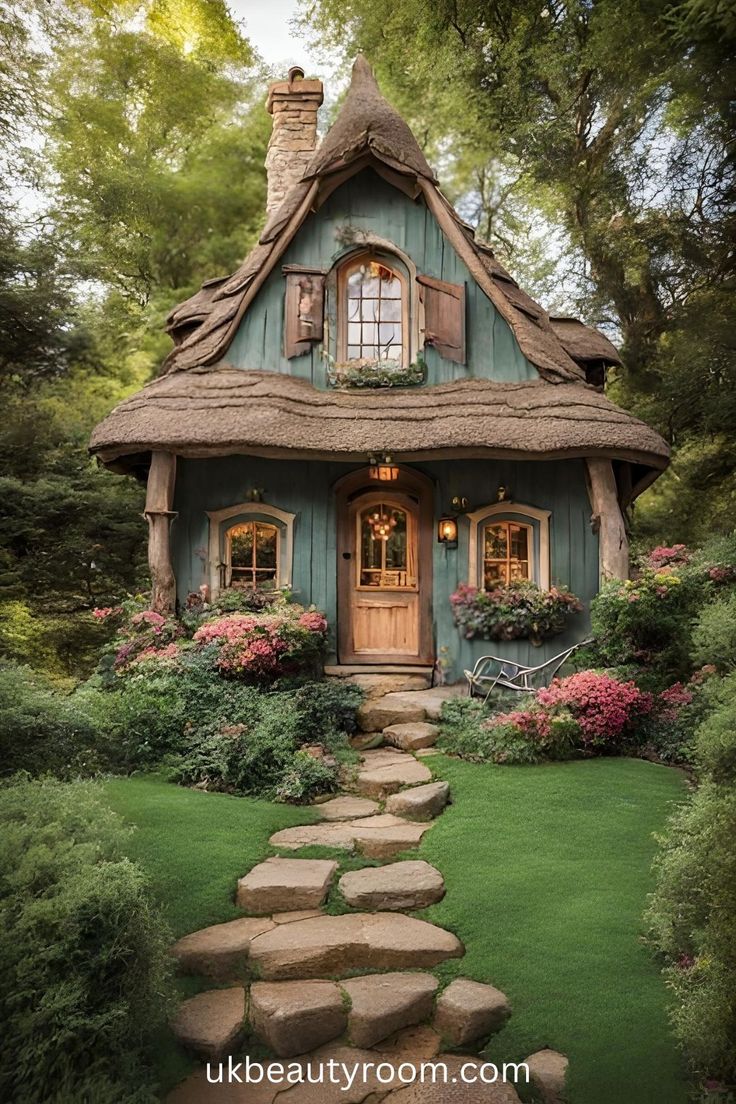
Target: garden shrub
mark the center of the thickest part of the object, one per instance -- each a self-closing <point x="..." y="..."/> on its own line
<point x="84" y="975"/>
<point x="692" y="913"/>
<point x="714" y="634"/>
<point x="41" y="730"/>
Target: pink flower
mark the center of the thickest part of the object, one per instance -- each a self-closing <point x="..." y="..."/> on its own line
<point x="314" y="621"/>
<point x="102" y="613"/>
<point x="603" y="706"/>
<point x="662" y="556"/>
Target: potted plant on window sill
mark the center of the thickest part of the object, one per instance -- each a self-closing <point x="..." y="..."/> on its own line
<point x="513" y="611"/>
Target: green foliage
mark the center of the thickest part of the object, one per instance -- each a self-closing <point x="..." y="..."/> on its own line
<point x="517" y="610"/>
<point x="692" y="914"/>
<point x="83" y="952"/>
<point x="714" y="634"/>
<point x="41" y="730"/>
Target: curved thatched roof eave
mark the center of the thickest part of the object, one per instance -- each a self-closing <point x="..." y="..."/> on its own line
<point x="230" y="411"/>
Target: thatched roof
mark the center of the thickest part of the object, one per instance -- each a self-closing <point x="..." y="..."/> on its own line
<point x="202" y="407"/>
<point x="583" y="343"/>
<point x="227" y="410"/>
<point x="367" y="132"/>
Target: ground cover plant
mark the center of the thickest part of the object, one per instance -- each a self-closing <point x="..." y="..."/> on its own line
<point x="84" y="970"/>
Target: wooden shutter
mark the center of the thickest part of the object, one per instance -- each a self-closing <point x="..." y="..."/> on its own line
<point x="444" y="317"/>
<point x="304" y="314"/>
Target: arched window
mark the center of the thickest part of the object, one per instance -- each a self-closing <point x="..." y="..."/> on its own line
<point x="508" y="542"/>
<point x="251" y="546"/>
<point x="252" y="556"/>
<point x="372" y="310"/>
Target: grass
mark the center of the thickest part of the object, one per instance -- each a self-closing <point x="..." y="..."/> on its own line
<point x="547" y="870"/>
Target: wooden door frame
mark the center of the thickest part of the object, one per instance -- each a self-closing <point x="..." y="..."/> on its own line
<point x="421" y="489"/>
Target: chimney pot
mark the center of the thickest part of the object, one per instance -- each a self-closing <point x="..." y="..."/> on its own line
<point x="294" y="104"/>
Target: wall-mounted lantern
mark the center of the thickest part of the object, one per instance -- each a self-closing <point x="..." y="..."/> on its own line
<point x="447" y="531"/>
<point x="382" y="469"/>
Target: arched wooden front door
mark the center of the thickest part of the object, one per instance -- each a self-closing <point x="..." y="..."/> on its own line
<point x="385" y="575"/>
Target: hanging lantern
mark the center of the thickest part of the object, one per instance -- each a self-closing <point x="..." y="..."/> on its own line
<point x="382" y="469"/>
<point x="447" y="531"/>
<point x="382" y="525"/>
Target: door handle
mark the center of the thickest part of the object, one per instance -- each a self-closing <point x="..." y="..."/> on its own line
<point x="347" y="555"/>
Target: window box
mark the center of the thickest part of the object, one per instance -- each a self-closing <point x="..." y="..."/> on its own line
<point x="367" y="373"/>
<point x="514" y="611"/>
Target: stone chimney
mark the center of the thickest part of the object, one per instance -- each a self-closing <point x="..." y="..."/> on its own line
<point x="294" y="104"/>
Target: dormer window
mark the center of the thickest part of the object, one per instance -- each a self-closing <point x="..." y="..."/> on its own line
<point x="372" y="317"/>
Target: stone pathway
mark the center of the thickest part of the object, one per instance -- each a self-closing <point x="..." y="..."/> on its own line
<point x="354" y="986"/>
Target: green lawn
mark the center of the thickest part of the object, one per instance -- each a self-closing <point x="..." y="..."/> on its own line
<point x="547" y="871"/>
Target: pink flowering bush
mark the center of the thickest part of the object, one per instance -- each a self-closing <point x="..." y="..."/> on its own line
<point x="264" y="646"/>
<point x="521" y="610"/>
<point x="605" y="708"/>
<point x="665" y="557"/>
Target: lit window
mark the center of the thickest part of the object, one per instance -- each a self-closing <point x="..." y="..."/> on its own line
<point x="374" y="325"/>
<point x="253" y="555"/>
<point x="506" y="553"/>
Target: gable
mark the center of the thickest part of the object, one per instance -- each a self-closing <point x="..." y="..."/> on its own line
<point x="367" y="208"/>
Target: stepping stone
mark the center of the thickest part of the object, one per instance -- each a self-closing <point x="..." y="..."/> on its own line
<point x="381" y="1004"/>
<point x="467" y="1011"/>
<point x="376" y="686"/>
<point x="382" y="837"/>
<point x="292" y="1017"/>
<point x="219" y="952"/>
<point x="461" y="1068"/>
<point x="347" y="808"/>
<point x="285" y="885"/>
<point x="381" y="774"/>
<point x="211" y="1023"/>
<point x="547" y="1074"/>
<point x="338" y="834"/>
<point x="420" y="803"/>
<point x="411" y="737"/>
<point x="378" y="713"/>
<point x="339" y="945"/>
<point x="431" y="701"/>
<point x="376" y="837"/>
<point x="403" y="885"/>
<point x="413" y="1044"/>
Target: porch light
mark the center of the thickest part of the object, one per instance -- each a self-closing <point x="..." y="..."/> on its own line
<point x="447" y="531"/>
<point x="382" y="470"/>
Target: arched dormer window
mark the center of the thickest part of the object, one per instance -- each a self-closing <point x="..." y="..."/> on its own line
<point x="373" y="311"/>
<point x="508" y="541"/>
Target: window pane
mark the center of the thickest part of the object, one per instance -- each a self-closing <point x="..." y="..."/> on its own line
<point x="391" y="310"/>
<point x="374" y="296"/>
<point x="266" y="546"/>
<point x="383" y="553"/>
<point x="241" y="545"/>
<point x="496" y="542"/>
<point x="494" y="573"/>
<point x="391" y="288"/>
<point x="518" y="541"/>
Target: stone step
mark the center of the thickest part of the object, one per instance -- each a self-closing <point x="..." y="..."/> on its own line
<point x="219" y="952"/>
<point x="366" y="741"/>
<point x="409" y="885"/>
<point x="420" y="803"/>
<point x="412" y="736"/>
<point x="384" y="771"/>
<point x="467" y="1082"/>
<point x="292" y="1017"/>
<point x="340" y="945"/>
<point x="285" y="885"/>
<point x="429" y="700"/>
<point x="547" y="1075"/>
<point x="212" y="1023"/>
<point x="376" y="714"/>
<point x="376" y="837"/>
<point x="346" y="807"/>
<point x="376" y="682"/>
<point x="467" y="1011"/>
<point x="382" y="1004"/>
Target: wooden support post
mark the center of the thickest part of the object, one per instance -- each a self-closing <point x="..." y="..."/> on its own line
<point x="608" y="520"/>
<point x="159" y="514"/>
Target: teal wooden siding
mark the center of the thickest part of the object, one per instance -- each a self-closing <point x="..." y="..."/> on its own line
<point x="305" y="488"/>
<point x="367" y="203"/>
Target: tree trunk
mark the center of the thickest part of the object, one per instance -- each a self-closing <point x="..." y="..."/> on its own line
<point x="608" y="520"/>
<point x="158" y="513"/>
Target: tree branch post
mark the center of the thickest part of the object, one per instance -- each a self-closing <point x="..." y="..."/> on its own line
<point x="159" y="515"/>
<point x="608" y="520"/>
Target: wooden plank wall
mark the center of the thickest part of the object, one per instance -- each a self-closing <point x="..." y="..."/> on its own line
<point x="367" y="203"/>
<point x="305" y="488"/>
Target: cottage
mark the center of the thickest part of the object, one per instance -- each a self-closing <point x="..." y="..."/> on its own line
<point x="371" y="411"/>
